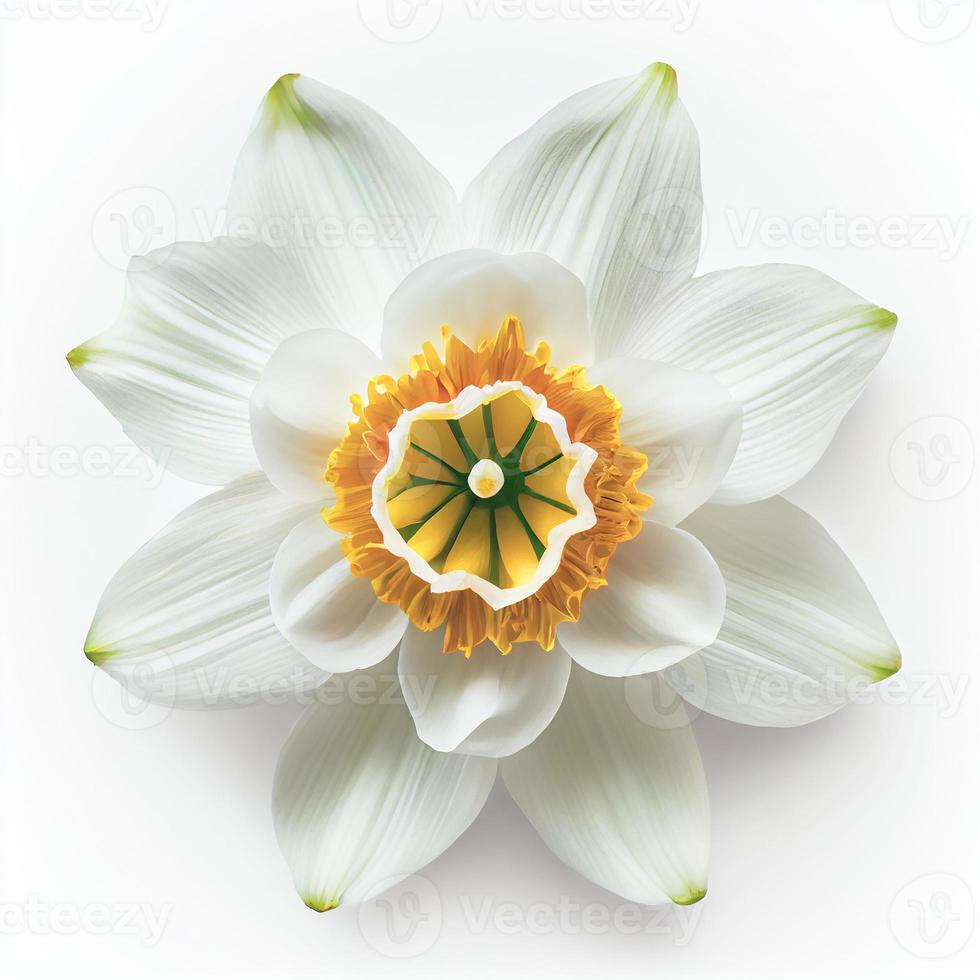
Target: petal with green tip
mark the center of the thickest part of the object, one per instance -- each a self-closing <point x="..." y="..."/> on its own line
<point x="345" y="197"/>
<point x="616" y="789"/>
<point x="186" y="620"/>
<point x="795" y="349"/>
<point x="177" y="367"/>
<point x="802" y="634"/>
<point x="608" y="183"/>
<point x="360" y="802"/>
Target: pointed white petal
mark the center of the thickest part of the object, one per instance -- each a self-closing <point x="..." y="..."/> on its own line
<point x="608" y="183"/>
<point x="360" y="803"/>
<point x="473" y="290"/>
<point x="301" y="406"/>
<point x="329" y="614"/>
<point x="665" y="600"/>
<point x="178" y="366"/>
<point x="802" y="634"/>
<point x="347" y="198"/>
<point x="488" y="704"/>
<point x="686" y="423"/>
<point x="793" y="346"/>
<point x="186" y="620"/>
<point x="621" y="800"/>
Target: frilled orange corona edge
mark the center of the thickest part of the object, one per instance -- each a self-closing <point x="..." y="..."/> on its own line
<point x="592" y="416"/>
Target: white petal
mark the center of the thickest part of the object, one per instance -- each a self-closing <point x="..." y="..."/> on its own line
<point x="486" y="705"/>
<point x="329" y="614"/>
<point x="186" y="620"/>
<point x="473" y="291"/>
<point x="621" y="800"/>
<point x="686" y="423"/>
<point x="802" y="633"/>
<point x="793" y="346"/>
<point x="178" y="366"/>
<point x="665" y="600"/>
<point x="344" y="195"/>
<point x="360" y="803"/>
<point x="608" y="183"/>
<point x="302" y="404"/>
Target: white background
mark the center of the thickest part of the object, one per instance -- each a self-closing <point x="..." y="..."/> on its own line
<point x="805" y="110"/>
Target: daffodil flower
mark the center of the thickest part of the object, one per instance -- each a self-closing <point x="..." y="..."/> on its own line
<point x="519" y="464"/>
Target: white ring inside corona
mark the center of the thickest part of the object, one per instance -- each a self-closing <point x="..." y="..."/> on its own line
<point x="466" y="401"/>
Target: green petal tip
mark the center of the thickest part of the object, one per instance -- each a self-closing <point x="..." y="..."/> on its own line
<point x="77" y="356"/>
<point x="321" y="904"/>
<point x="663" y="78"/>
<point x="97" y="653"/>
<point x="282" y="105"/>
<point x="883" y="319"/>
<point x="691" y="897"/>
<point x="882" y="671"/>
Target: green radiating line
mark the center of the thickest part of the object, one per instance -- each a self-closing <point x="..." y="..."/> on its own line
<point x="568" y="509"/>
<point x="457" y="431"/>
<point x="494" y="570"/>
<point x="440" y="559"/>
<point x="410" y="530"/>
<point x="435" y="458"/>
<point x="528" y="530"/>
<point x="423" y="481"/>
<point x="515" y="453"/>
<point x="537" y="469"/>
<point x="488" y="426"/>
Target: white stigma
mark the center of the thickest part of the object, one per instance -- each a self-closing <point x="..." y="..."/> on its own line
<point x="486" y="478"/>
